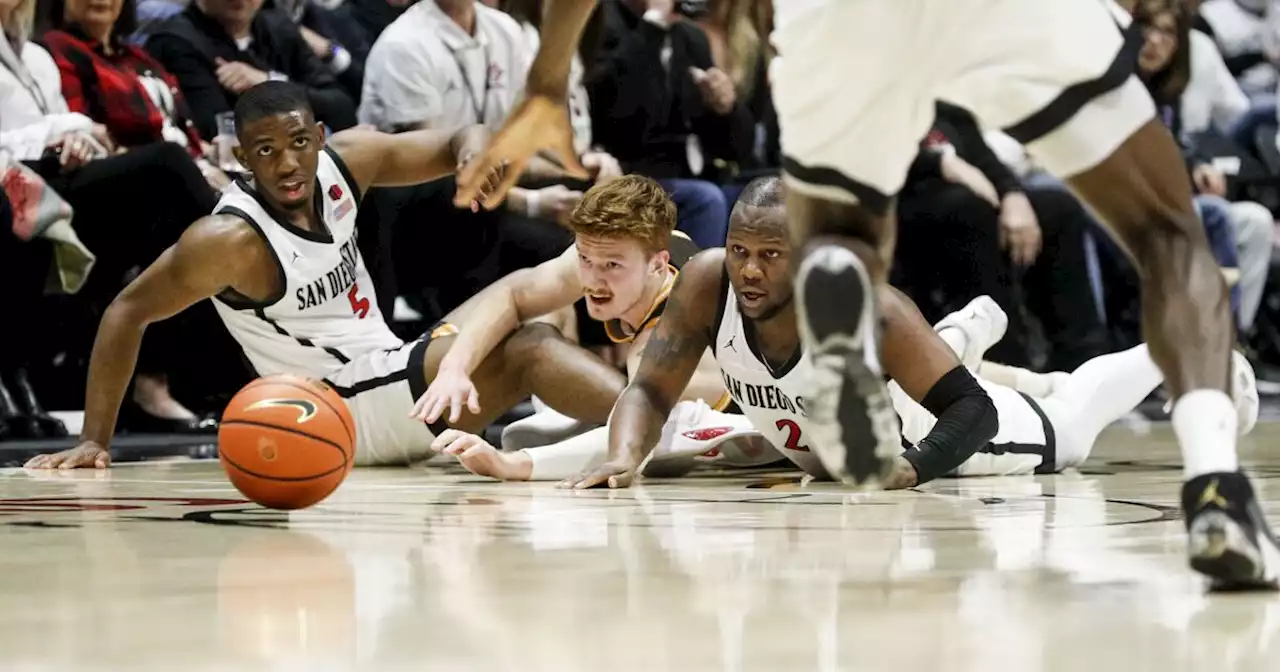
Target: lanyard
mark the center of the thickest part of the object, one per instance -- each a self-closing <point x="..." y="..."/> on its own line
<point x="481" y="107"/>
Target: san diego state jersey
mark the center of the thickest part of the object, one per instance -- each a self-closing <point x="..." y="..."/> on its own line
<point x="770" y="398"/>
<point x="325" y="314"/>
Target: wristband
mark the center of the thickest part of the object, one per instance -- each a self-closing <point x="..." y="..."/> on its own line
<point x="531" y="204"/>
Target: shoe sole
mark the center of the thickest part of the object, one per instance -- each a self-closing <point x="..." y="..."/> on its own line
<point x="855" y="431"/>
<point x="1222" y="550"/>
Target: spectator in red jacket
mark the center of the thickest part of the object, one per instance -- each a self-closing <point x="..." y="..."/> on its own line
<point x="118" y="84"/>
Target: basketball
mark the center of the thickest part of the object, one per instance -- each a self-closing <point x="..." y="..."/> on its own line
<point x="286" y="442"/>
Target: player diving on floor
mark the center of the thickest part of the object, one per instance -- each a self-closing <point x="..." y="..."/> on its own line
<point x="1006" y="421"/>
<point x="623" y="263"/>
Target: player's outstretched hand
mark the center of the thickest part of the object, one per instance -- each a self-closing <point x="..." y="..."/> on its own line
<point x="84" y="456"/>
<point x="538" y="123"/>
<point x="480" y="457"/>
<point x="614" y="473"/>
<point x="451" y="390"/>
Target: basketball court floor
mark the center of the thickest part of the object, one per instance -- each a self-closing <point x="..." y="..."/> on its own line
<point x="162" y="566"/>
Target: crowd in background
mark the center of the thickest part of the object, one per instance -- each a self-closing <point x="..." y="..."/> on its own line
<point x="115" y="127"/>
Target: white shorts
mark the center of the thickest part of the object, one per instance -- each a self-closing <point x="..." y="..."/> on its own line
<point x="1025" y="442"/>
<point x="855" y="84"/>
<point x="380" y="388"/>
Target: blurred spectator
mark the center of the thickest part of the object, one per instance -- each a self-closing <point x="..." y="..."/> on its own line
<point x="739" y="46"/>
<point x="151" y="13"/>
<point x="1240" y="30"/>
<point x="373" y="16"/>
<point x="446" y="64"/>
<point x="969" y="227"/>
<point x="128" y="207"/>
<point x="1190" y="99"/>
<point x="217" y="49"/>
<point x="449" y="63"/>
<point x="119" y="85"/>
<point x="334" y="37"/>
<point x="666" y="111"/>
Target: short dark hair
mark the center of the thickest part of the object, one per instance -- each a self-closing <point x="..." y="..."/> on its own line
<point x="764" y="192"/>
<point x="52" y="16"/>
<point x="269" y="99"/>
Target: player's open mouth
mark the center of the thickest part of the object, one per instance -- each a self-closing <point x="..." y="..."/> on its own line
<point x="293" y="188"/>
<point x="749" y="296"/>
<point x="599" y="299"/>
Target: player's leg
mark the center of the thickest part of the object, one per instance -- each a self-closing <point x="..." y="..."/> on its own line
<point x="848" y="140"/>
<point x="1084" y="117"/>
<point x="535" y="360"/>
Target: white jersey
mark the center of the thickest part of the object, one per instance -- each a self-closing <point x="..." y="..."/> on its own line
<point x="771" y="399"/>
<point x="325" y="314"/>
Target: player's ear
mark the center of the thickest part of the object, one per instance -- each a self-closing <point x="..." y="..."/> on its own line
<point x="660" y="261"/>
<point x="320" y="133"/>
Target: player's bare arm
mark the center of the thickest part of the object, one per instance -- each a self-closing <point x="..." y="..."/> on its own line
<point x="671" y="357"/>
<point x="489" y="317"/>
<point x="214" y="254"/>
<point x="705" y="384"/>
<point x="541" y="121"/>
<point x="929" y="372"/>
<point x="378" y="159"/>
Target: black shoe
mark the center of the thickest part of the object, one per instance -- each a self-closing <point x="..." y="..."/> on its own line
<point x="855" y="430"/>
<point x="20" y="425"/>
<point x="135" y="420"/>
<point x="49" y="426"/>
<point x="1228" y="539"/>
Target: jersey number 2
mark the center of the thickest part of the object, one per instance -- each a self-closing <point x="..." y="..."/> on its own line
<point x="359" y="306"/>
<point x="793" y="435"/>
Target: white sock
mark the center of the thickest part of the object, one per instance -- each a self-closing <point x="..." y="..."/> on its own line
<point x="956" y="338"/>
<point x="1205" y="423"/>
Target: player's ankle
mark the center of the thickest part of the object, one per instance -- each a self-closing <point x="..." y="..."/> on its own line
<point x="1205" y="423"/>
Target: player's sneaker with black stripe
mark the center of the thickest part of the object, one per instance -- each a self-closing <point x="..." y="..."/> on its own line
<point x="1228" y="539"/>
<point x="855" y="431"/>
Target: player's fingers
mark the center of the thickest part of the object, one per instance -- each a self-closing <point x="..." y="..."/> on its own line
<point x="435" y="406"/>
<point x="37" y="462"/>
<point x="473" y="401"/>
<point x="511" y="174"/>
<point x="469" y="182"/>
<point x="593" y="479"/>
<point x="619" y="481"/>
<point x="446" y="437"/>
<point x="455" y="407"/>
<point x="103" y="461"/>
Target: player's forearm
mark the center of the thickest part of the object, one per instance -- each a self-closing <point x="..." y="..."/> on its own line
<point x="111" y="366"/>
<point x="967" y="421"/>
<point x="483" y="322"/>
<point x="562" y="25"/>
<point x="636" y="424"/>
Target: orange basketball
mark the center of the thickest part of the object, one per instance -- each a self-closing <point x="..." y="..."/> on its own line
<point x="286" y="442"/>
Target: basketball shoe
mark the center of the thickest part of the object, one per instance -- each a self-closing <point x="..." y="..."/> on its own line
<point x="1228" y="538"/>
<point x="855" y="432"/>
<point x="983" y="323"/>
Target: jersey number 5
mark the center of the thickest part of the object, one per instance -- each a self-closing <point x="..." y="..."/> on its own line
<point x="359" y="306"/>
<point x="793" y="435"/>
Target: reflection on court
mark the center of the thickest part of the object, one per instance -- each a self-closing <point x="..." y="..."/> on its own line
<point x="162" y="566"/>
